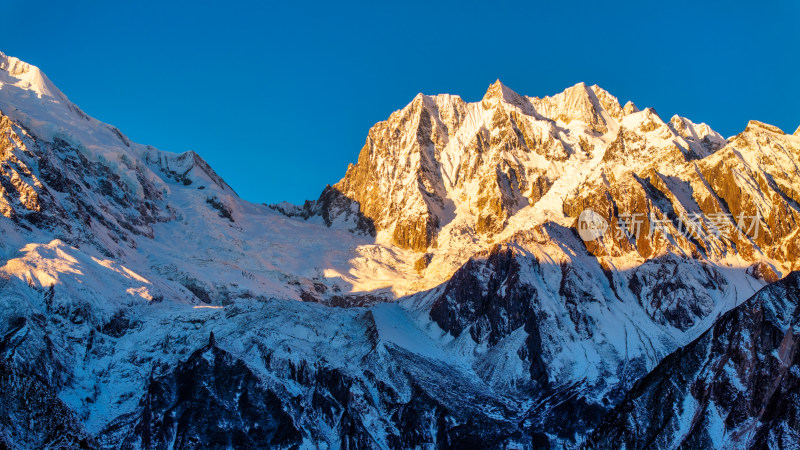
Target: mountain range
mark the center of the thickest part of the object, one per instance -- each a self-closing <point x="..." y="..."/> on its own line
<point x="443" y="294"/>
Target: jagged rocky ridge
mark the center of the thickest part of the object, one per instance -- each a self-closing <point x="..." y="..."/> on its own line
<point x="736" y="386"/>
<point x="502" y="327"/>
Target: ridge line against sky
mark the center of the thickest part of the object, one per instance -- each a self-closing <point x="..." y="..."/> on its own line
<point x="279" y="109"/>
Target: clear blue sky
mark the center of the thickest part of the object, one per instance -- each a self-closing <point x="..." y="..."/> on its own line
<point x="278" y="98"/>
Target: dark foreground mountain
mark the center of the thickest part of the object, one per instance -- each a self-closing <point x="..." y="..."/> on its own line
<point x="737" y="386"/>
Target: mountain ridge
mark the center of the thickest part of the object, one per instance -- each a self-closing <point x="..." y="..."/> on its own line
<point x="440" y="294"/>
<point x="725" y="364"/>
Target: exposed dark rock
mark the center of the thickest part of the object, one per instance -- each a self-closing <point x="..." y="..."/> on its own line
<point x="33" y="415"/>
<point x="211" y="400"/>
<point x="222" y="208"/>
<point x="676" y="291"/>
<point x="335" y="208"/>
<point x="737" y="385"/>
<point x="764" y="272"/>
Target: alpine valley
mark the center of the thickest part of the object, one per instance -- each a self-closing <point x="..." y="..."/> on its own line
<point x="438" y="296"/>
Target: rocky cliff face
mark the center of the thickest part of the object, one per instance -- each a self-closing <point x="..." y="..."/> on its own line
<point x="175" y="408"/>
<point x="440" y="159"/>
<point x="31" y="379"/>
<point x="440" y="295"/>
<point x="736" y="386"/>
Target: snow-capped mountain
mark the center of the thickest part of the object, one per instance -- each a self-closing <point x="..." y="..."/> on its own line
<point x="439" y="295"/>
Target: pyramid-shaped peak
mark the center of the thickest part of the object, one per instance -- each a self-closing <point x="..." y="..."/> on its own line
<point x="577" y="92"/>
<point x="797" y="132"/>
<point x="578" y="89"/>
<point x="585" y="92"/>
<point x="419" y="98"/>
<point x="579" y="102"/>
<point x="649" y="111"/>
<point x="423" y="101"/>
<point x="14" y="71"/>
<point x="630" y="108"/>
<point x="608" y="102"/>
<point x="582" y="88"/>
<point x="500" y="92"/>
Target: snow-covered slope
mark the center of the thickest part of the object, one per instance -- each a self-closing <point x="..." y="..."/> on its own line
<point x="737" y="386"/>
<point x="438" y="295"/>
